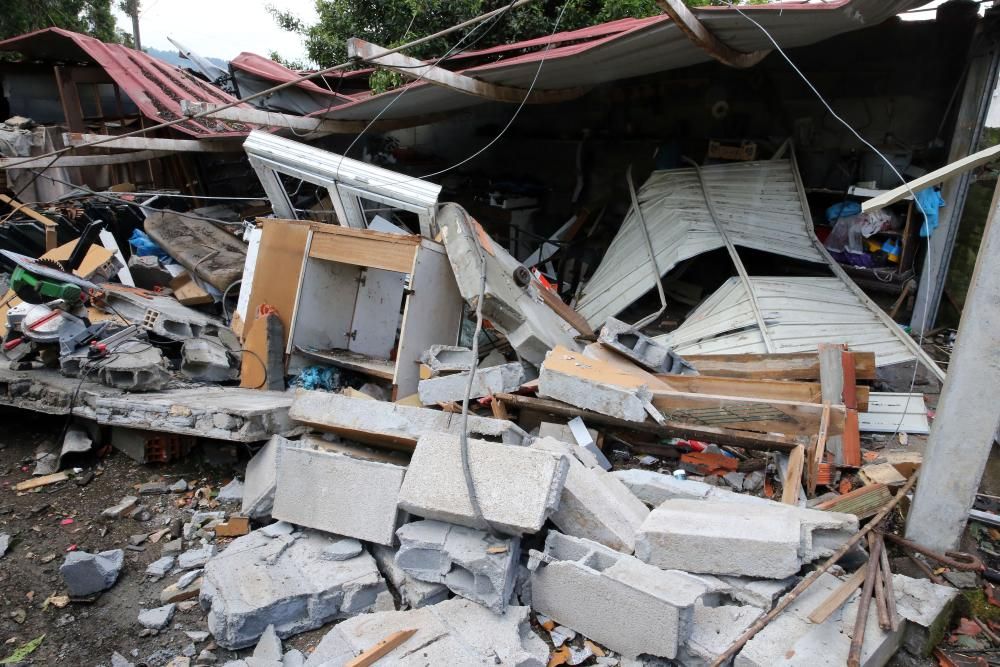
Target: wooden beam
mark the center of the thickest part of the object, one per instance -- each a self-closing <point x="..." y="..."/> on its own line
<point x="932" y="178"/>
<point x="781" y="390"/>
<point x="779" y="366"/>
<point x="838" y="597"/>
<point x="272" y="120"/>
<point x="84" y="160"/>
<point x="791" y="485"/>
<point x="414" y="68"/>
<point x="701" y="36"/>
<point x="157" y="144"/>
<point x="375" y="653"/>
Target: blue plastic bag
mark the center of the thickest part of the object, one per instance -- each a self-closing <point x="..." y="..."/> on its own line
<point x="143" y="246"/>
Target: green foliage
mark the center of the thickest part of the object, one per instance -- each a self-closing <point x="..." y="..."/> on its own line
<point x="92" y="17"/>
<point x="23" y="651"/>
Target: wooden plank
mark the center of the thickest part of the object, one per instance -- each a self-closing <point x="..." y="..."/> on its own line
<point x="838" y="597"/>
<point x="279" y="263"/>
<point x="253" y="369"/>
<point x="362" y="247"/>
<point x="380" y="650"/>
<point x="83" y="160"/>
<point x="932" y="178"/>
<point x="155" y="143"/>
<point x="702" y="37"/>
<point x="781" y="366"/>
<point x="31" y="213"/>
<point x="792" y="483"/>
<point x="418" y="69"/>
<point x="862" y="503"/>
<point x="819" y="449"/>
<point x="782" y="390"/>
<point x="44" y="480"/>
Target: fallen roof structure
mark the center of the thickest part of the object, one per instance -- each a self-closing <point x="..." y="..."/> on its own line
<point x="253" y="74"/>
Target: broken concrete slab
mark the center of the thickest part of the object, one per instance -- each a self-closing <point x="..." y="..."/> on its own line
<point x="220" y="413"/>
<point x="514" y="302"/>
<point x="769" y="541"/>
<point x="124" y="505"/>
<point x="284" y="581"/>
<point x="261" y="477"/>
<point x="453" y="632"/>
<point x="413" y="593"/>
<point x="231" y="493"/>
<point x="583" y="438"/>
<point x="194" y="558"/>
<point x="448" y="359"/>
<point x="594" y="504"/>
<point x="713" y="630"/>
<point x="161" y="315"/>
<point x="585" y="586"/>
<point x="160" y="567"/>
<point x="135" y="365"/>
<point x="207" y="360"/>
<point x="640" y="348"/>
<point x="343" y="549"/>
<point x="517" y="487"/>
<point x="574" y="379"/>
<point x="158" y="618"/>
<point x="86" y="574"/>
<point x="654" y="488"/>
<point x="472" y="563"/>
<point x="268" y="650"/>
<point x="339" y="494"/>
<point x="791" y="639"/>
<point x="486" y="382"/>
<point x="927" y="607"/>
<point x="391" y="424"/>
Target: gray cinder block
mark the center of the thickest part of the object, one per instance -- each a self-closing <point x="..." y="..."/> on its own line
<point x="470" y="562"/>
<point x="592" y="394"/>
<point x="261" y="477"/>
<point x="494" y="380"/>
<point x="640" y="348"/>
<point x="655" y="488"/>
<point x="413" y="593"/>
<point x="517" y="487"/>
<point x="447" y="358"/>
<point x="586" y="586"/>
<point x="283" y="581"/>
<point x="770" y="541"/>
<point x="338" y="494"/>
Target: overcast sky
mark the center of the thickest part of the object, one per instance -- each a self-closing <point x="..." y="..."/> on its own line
<point x="219" y="28"/>
<point x="224" y="28"/>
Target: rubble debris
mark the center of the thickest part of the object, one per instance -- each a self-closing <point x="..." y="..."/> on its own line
<point x="231" y="493"/>
<point x="124" y="505"/>
<point x="156" y="488"/>
<point x="339" y="494"/>
<point x="640" y="348"/>
<point x="927" y="607"/>
<point x="207" y="360"/>
<point x="453" y="632"/>
<point x="195" y="558"/>
<point x="413" y="592"/>
<point x="261" y="479"/>
<point x="161" y="567"/>
<point x="770" y="541"/>
<point x="583" y="437"/>
<point x="44" y="480"/>
<point x="655" y="488"/>
<point x="134" y="365"/>
<point x="591" y="384"/>
<point x="448" y="359"/>
<point x="391" y="424"/>
<point x="517" y="487"/>
<point x="4" y="544"/>
<point x="294" y="587"/>
<point x="86" y="574"/>
<point x="157" y="618"/>
<point x="488" y="381"/>
<point x="532" y="318"/>
<point x="199" y="246"/>
<point x="585" y="586"/>
<point x="594" y="504"/>
<point x="343" y="549"/>
<point x="178" y="592"/>
<point x="470" y="562"/>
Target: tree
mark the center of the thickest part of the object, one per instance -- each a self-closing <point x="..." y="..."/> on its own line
<point x="92" y="17"/>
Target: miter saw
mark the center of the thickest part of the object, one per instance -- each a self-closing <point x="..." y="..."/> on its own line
<point x="53" y="313"/>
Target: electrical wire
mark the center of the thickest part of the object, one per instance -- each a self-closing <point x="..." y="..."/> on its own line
<point x="819" y="96"/>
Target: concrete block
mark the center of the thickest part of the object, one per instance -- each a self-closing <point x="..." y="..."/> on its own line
<point x="582" y="437"/>
<point x="391" y="424"/>
<point x="712" y="537"/>
<point x="590" y="393"/>
<point x="472" y="563"/>
<point x="158" y="618"/>
<point x="927" y="608"/>
<point x="135" y="365"/>
<point x="193" y="558"/>
<point x="453" y="632"/>
<point x="338" y="494"/>
<point x="588" y="587"/>
<point x="488" y="381"/>
<point x="231" y="493"/>
<point x="640" y="348"/>
<point x="123" y="506"/>
<point x="160" y="567"/>
<point x="517" y="487"/>
<point x="285" y="581"/>
<point x="86" y="573"/>
<point x="791" y="639"/>
<point x="343" y="549"/>
<point x="594" y="504"/>
<point x="207" y="360"/>
<point x="448" y="359"/>
<point x="563" y="433"/>
<point x="261" y="477"/>
<point x="713" y="629"/>
<point x="655" y="488"/>
<point x="268" y="650"/>
<point x="413" y="593"/>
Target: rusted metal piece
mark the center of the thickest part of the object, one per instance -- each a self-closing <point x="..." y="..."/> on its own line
<point x="864" y="603"/>
<point x="955" y="560"/>
<point x="926" y="569"/>
<point x="702" y="37"/>
<point x="890" y="594"/>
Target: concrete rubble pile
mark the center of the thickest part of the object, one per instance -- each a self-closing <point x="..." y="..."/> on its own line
<point x="546" y="494"/>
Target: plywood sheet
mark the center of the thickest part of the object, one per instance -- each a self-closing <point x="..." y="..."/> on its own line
<point x="276" y="276"/>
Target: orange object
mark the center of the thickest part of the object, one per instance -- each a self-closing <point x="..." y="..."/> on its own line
<point x="768" y="488"/>
<point x="708" y="463"/>
<point x="845" y="486"/>
<point x="824" y="476"/>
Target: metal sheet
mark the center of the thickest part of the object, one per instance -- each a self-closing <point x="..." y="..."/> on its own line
<point x="888" y="413"/>
<point x="757" y="204"/>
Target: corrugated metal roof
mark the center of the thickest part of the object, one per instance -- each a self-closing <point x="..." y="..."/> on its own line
<point x="758" y="206"/>
<point x="629" y="48"/>
<point x="155" y="87"/>
<point x="268" y="70"/>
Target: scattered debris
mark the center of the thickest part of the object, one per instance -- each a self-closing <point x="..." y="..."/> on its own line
<point x="86" y="574"/>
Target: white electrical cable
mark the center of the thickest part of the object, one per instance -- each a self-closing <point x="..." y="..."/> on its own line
<point x="819" y="96"/>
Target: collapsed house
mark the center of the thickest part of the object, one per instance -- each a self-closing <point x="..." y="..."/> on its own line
<point x="644" y="433"/>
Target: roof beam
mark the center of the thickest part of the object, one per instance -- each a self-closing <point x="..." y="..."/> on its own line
<point x="313" y="126"/>
<point x="701" y="36"/>
<point x="156" y="144"/>
<point x="413" y="68"/>
<point x="82" y="160"/>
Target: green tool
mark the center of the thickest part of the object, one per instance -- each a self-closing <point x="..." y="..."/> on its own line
<point x="33" y="288"/>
